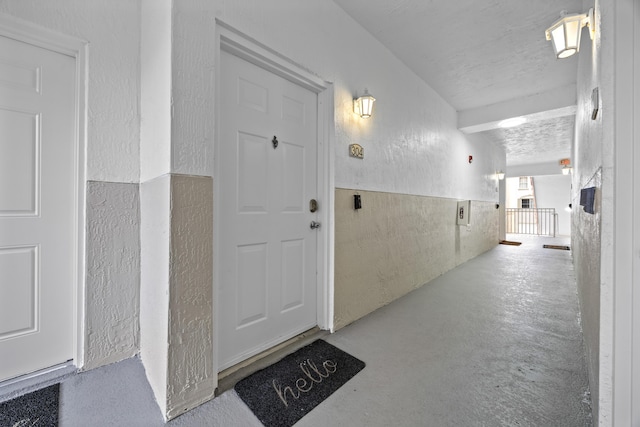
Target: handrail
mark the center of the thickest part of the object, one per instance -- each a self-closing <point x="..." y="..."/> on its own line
<point x="536" y="221"/>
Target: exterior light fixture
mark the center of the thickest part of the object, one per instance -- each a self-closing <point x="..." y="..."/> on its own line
<point x="565" y="32"/>
<point x="500" y="175"/>
<point x="363" y="106"/>
<point x="566" y="166"/>
<point x="512" y="122"/>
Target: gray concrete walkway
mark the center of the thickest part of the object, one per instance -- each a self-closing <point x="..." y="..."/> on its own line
<point x="495" y="342"/>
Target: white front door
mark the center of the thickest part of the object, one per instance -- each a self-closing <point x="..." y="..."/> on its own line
<point x="37" y="170"/>
<point x="267" y="255"/>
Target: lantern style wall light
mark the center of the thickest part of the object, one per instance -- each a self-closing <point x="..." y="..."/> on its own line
<point x="500" y="175"/>
<point x="566" y="166"/>
<point x="363" y="106"/>
<point x="565" y="32"/>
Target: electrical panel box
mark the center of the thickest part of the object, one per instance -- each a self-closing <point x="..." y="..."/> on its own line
<point x="463" y="212"/>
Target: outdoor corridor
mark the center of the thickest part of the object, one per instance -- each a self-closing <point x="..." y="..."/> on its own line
<point x="494" y="342"/>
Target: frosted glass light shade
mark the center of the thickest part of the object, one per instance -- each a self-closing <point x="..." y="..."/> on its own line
<point x="363" y="106"/>
<point x="565" y="33"/>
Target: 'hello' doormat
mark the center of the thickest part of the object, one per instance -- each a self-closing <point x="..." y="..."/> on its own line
<point x="284" y="392"/>
<point x="39" y="408"/>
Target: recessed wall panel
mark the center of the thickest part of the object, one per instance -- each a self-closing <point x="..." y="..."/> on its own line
<point x="292" y="274"/>
<point x="19" y="163"/>
<point x="20" y="76"/>
<point x="292" y="110"/>
<point x="18" y="291"/>
<point x="252" y="173"/>
<point x="293" y="179"/>
<point x="251" y="289"/>
<point x="253" y="95"/>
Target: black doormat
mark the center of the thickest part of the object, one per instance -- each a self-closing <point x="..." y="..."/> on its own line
<point x="509" y="242"/>
<point x="36" y="409"/>
<point x="286" y="391"/>
<point x="561" y="247"/>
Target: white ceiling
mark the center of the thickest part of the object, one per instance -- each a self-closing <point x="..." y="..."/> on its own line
<point x="490" y="60"/>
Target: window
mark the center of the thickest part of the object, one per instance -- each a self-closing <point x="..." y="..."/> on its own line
<point x="526" y="203"/>
<point x="523" y="183"/>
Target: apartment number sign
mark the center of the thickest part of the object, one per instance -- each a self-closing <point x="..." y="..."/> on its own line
<point x="356" y="150"/>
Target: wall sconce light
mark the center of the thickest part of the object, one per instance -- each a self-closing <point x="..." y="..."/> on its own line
<point x="500" y="175"/>
<point x="565" y="32"/>
<point x="566" y="166"/>
<point x="363" y="106"/>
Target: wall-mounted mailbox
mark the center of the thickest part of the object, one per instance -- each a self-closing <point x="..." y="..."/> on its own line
<point x="587" y="199"/>
<point x="463" y="212"/>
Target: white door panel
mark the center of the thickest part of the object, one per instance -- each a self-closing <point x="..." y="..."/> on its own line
<point x="267" y="256"/>
<point x="37" y="172"/>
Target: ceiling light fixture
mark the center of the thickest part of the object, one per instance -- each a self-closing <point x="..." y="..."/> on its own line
<point x="512" y="122"/>
<point x="565" y="32"/>
<point x="363" y="106"/>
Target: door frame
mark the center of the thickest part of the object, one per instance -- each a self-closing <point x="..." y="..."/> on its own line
<point x="239" y="44"/>
<point x="622" y="308"/>
<point x="27" y="32"/>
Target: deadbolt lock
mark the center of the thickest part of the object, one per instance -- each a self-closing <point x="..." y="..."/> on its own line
<point x="313" y="205"/>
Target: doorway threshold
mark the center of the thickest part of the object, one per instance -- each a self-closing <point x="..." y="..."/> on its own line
<point x="228" y="378"/>
<point x="18" y="386"/>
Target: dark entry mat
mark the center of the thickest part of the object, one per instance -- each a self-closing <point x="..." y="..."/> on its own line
<point x="39" y="408"/>
<point x="286" y="391"/>
<point x="509" y="242"/>
<point x="562" y="247"/>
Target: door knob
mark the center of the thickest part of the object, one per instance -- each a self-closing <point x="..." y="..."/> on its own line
<point x="314" y="225"/>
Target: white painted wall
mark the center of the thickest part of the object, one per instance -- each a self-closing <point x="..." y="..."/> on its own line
<point x="535" y="169"/>
<point x="411" y="143"/>
<point x="112" y="30"/>
<point x="155" y="88"/>
<point x="592" y="235"/>
<point x="554" y="191"/>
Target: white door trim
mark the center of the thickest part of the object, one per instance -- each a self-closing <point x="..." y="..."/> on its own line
<point x="232" y="41"/>
<point x="625" y="310"/>
<point x="36" y="35"/>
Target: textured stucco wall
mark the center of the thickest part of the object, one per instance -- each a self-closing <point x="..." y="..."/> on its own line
<point x="113" y="272"/>
<point x="412" y="145"/>
<point x="112" y="30"/>
<point x="176" y="315"/>
<point x="397" y="243"/>
<point x="192" y="376"/>
<point x="155" y="229"/>
<point x="592" y="234"/>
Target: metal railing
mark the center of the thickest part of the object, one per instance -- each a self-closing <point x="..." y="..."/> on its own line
<point x="539" y="221"/>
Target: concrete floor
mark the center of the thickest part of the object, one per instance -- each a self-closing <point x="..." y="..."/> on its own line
<point x="495" y="342"/>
